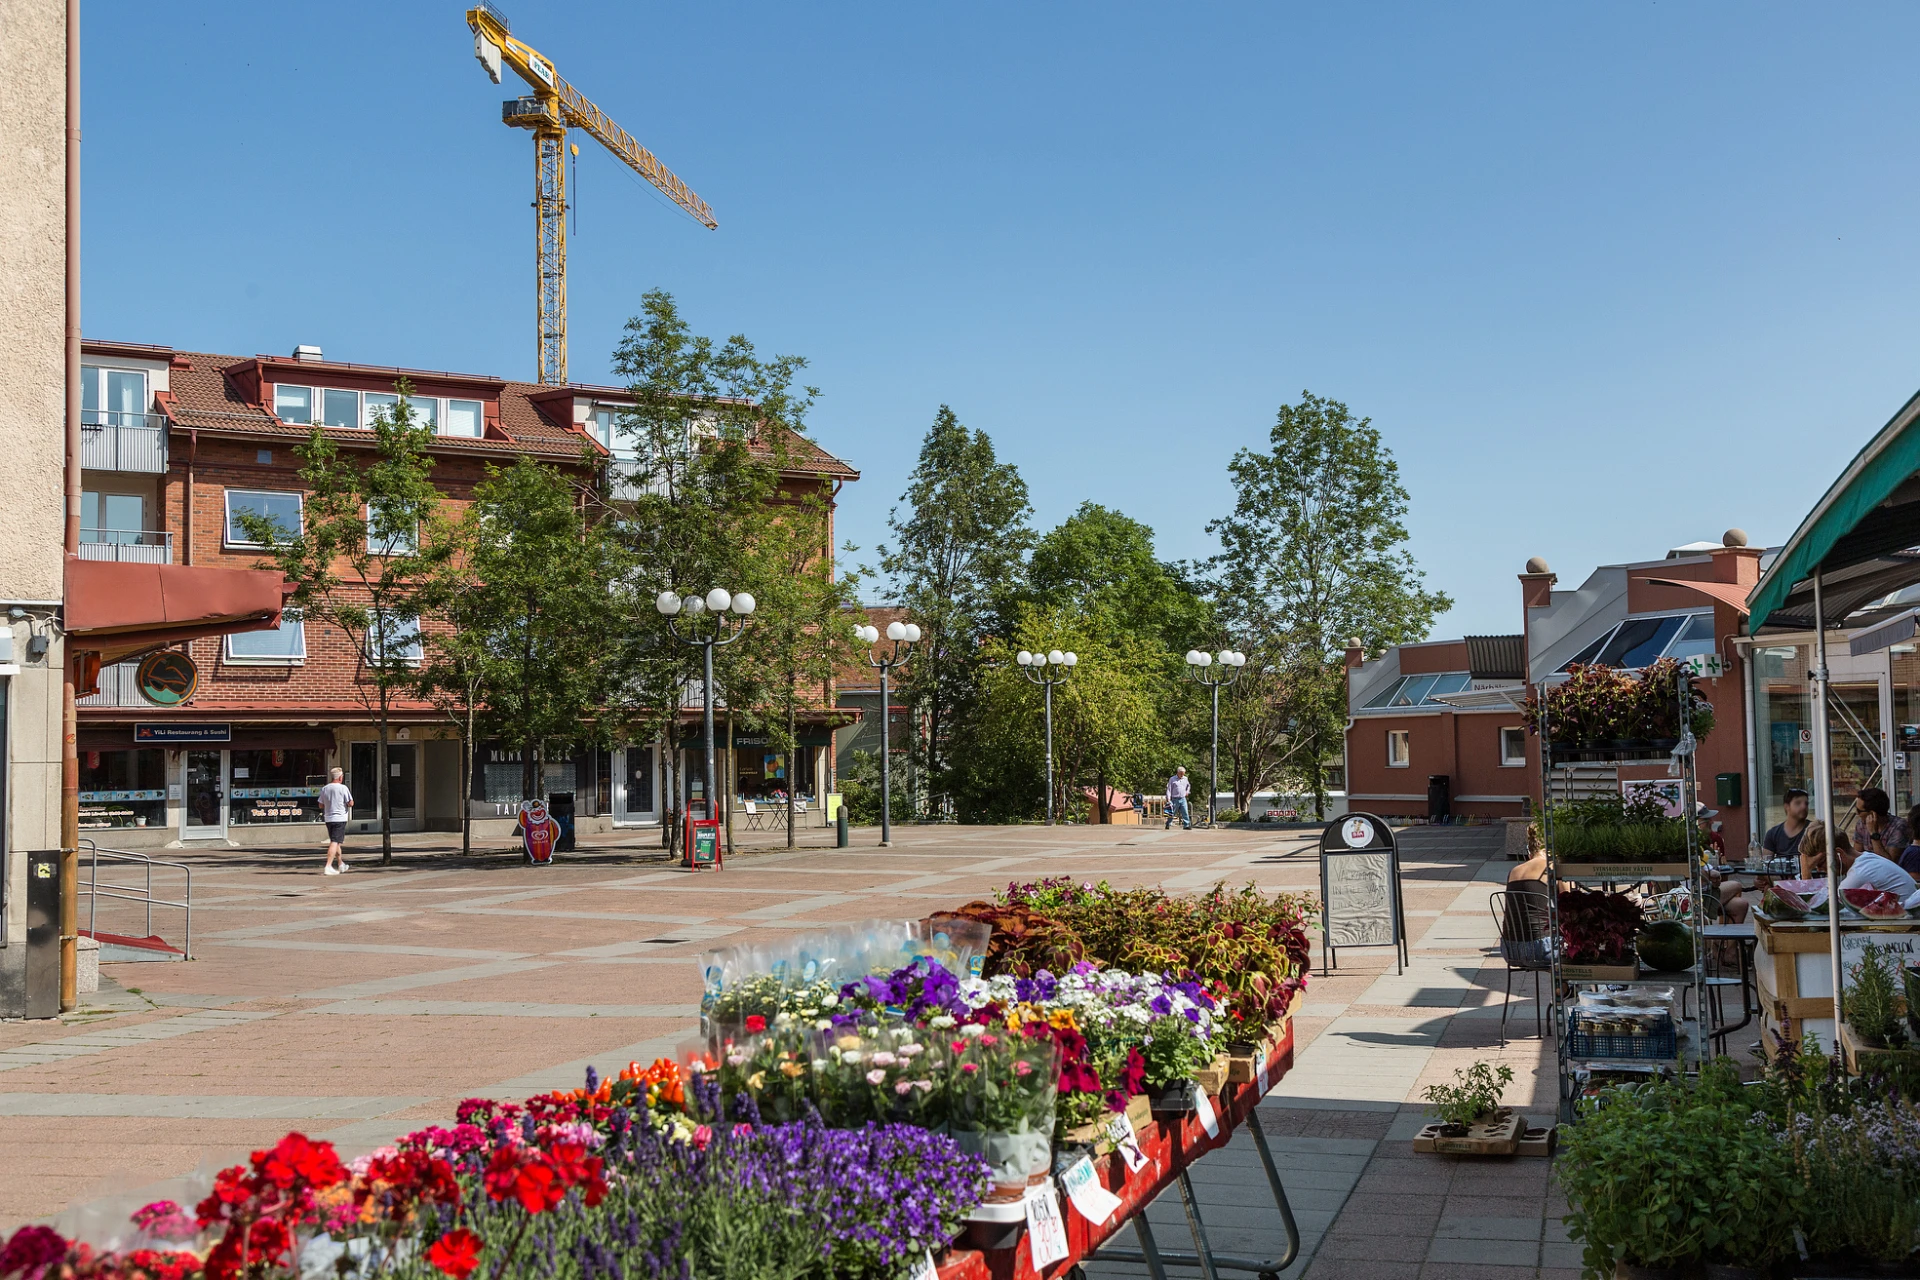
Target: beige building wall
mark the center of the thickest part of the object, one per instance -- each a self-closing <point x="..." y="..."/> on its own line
<point x="33" y="62"/>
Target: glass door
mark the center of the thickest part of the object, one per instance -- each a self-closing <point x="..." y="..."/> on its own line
<point x="1859" y="746"/>
<point x="633" y="795"/>
<point x="402" y="780"/>
<point x="205" y="814"/>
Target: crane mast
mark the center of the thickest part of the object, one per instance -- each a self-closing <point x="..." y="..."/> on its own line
<point x="546" y="113"/>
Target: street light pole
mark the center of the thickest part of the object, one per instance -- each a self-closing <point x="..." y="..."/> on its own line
<point x="1034" y="667"/>
<point x="720" y="603"/>
<point x="1200" y="666"/>
<point x="904" y="636"/>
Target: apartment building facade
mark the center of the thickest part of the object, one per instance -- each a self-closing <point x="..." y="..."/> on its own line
<point x="182" y="445"/>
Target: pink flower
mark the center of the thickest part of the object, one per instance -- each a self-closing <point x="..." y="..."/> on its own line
<point x="903" y="1087"/>
<point x="702" y="1135"/>
<point x="969" y="1067"/>
<point x="1022" y="1069"/>
<point x="988" y="1040"/>
<point x="876" y="1076"/>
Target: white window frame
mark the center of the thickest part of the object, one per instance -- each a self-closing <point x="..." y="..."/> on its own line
<point x="412" y="659"/>
<point x="94" y="377"/>
<point x="299" y="659"/>
<point x="387" y="550"/>
<point x="359" y="412"/>
<point x="366" y="406"/>
<point x="226" y="529"/>
<point x="480" y="420"/>
<point x="1507" y="759"/>
<point x="1403" y="739"/>
<point x="312" y="397"/>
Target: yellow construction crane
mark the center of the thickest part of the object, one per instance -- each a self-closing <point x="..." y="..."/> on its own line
<point x="547" y="111"/>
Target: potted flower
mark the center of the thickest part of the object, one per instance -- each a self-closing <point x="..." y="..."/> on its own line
<point x="883" y="1074"/>
<point x="1473" y="1098"/>
<point x="1001" y="1090"/>
<point x="1874" y="1030"/>
<point x="769" y="1065"/>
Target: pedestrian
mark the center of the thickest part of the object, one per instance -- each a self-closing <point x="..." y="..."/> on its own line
<point x="336" y="806"/>
<point x="1178" y="789"/>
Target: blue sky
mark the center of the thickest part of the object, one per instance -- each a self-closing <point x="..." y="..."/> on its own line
<point x="1609" y="278"/>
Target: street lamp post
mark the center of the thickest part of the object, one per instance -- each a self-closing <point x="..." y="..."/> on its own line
<point x="720" y="603"/>
<point x="1201" y="666"/>
<point x="904" y="636"/>
<point x="1035" y="665"/>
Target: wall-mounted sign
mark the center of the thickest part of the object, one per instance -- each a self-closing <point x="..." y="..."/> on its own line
<point x="157" y="734"/>
<point x="167" y="678"/>
<point x="1360" y="888"/>
<point x="1705" y="666"/>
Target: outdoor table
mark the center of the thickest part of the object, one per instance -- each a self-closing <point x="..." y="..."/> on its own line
<point x="1171" y="1144"/>
<point x="1747" y="938"/>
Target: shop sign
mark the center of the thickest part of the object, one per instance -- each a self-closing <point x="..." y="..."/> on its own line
<point x="167" y="678"/>
<point x="176" y="733"/>
<point x="1360" y="887"/>
<point x="1706" y="666"/>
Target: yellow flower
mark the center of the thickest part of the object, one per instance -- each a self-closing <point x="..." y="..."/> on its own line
<point x="792" y="1070"/>
<point x="757" y="1081"/>
<point x="1062" y="1020"/>
<point x="848" y="1042"/>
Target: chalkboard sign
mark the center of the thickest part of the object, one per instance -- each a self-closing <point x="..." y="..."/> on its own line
<point x="1360" y="889"/>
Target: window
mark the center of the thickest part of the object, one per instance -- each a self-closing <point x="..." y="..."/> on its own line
<point x="283" y="509"/>
<point x="378" y="403"/>
<point x="286" y="645"/>
<point x="1414" y="691"/>
<point x="293" y="404"/>
<point x="1640" y="642"/>
<point x="389" y="535"/>
<point x="112" y="517"/>
<point x="340" y="408"/>
<point x="426" y="411"/>
<point x="112" y="397"/>
<point x="465" y="418"/>
<point x="396" y="635"/>
<point x="269" y="787"/>
<point x="122" y="789"/>
<point x="1513" y="747"/>
<point x="1695" y="639"/>
<point x="1399" y="748"/>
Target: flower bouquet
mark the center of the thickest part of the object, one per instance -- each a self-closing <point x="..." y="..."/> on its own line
<point x="1001" y="1091"/>
<point x="882" y="1074"/>
<point x="765" y="1073"/>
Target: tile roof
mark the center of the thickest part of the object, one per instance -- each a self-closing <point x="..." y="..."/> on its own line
<point x="202" y="396"/>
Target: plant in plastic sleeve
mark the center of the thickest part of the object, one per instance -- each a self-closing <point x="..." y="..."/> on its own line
<point x="1001" y="1092"/>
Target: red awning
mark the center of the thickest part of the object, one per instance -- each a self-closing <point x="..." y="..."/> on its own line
<point x="122" y="609"/>
<point x="1728" y="593"/>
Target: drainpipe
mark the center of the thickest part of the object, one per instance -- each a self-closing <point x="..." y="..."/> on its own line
<point x="186" y="499"/>
<point x="69" y="728"/>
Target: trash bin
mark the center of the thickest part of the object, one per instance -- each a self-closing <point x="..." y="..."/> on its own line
<point x="1439" y="797"/>
<point x="560" y="807"/>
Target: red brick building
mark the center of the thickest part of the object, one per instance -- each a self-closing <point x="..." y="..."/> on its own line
<point x="176" y="445"/>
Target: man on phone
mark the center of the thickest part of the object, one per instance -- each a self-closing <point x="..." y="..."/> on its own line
<point x="336" y="806"/>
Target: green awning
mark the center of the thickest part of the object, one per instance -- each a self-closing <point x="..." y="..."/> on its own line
<point x="1871" y="510"/>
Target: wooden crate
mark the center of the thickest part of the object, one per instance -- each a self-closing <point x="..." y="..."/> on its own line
<point x="1863" y="1058"/>
<point x="1599" y="972"/>
<point x="1213" y="1076"/>
<point x="1500" y="1137"/>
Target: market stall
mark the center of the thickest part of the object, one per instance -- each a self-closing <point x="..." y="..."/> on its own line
<point x="1793" y="970"/>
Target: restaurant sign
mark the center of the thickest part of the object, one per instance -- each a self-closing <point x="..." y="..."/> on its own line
<point x="181" y="733"/>
<point x="167" y="678"/>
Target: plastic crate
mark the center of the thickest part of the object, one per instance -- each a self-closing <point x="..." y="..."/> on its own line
<point x="1656" y="1047"/>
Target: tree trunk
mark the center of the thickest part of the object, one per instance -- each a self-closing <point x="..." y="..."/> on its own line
<point x="793" y="759"/>
<point x="384" y="790"/>
<point x="726" y="784"/>
<point x="466" y="784"/>
<point x="1100" y="795"/>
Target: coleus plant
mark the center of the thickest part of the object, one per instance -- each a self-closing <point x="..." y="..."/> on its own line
<point x="1598" y="928"/>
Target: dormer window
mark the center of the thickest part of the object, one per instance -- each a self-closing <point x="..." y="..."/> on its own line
<point x="356" y="410"/>
<point x="293" y="404"/>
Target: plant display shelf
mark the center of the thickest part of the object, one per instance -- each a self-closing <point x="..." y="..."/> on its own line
<point x="1171" y="1145"/>
<point x="1645" y="978"/>
<point x="1605" y="873"/>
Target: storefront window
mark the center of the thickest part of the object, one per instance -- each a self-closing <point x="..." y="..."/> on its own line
<point x="276" y="786"/>
<point x="1906" y="727"/>
<point x="122" y="789"/>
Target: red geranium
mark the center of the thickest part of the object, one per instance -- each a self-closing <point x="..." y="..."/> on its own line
<point x="457" y="1253"/>
<point x="755" y="1024"/>
<point x="31" y="1251"/>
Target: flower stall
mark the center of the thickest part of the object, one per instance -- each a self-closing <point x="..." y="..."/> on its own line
<point x="888" y="1099"/>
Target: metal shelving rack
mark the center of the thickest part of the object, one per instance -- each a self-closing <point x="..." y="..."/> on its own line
<point x="1688" y="1048"/>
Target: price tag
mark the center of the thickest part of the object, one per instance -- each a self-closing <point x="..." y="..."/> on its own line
<point x="1046" y="1233"/>
<point x="1260" y="1072"/>
<point x="926" y="1270"/>
<point x="1095" y="1203"/>
<point x="1203" y="1104"/>
<point x="1127" y="1142"/>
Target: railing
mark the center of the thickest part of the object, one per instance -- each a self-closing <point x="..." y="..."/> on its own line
<point x="112" y="441"/>
<point x="118" y="688"/>
<point x="141" y="893"/>
<point x="138" y="546"/>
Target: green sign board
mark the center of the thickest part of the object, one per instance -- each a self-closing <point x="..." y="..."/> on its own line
<point x="706" y="844"/>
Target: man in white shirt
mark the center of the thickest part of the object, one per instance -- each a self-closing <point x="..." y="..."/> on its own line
<point x="336" y="806"/>
<point x="1178" y="789"/>
<point x="1871" y="871"/>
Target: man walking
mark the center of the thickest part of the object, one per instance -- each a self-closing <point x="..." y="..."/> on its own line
<point x="336" y="806"/>
<point x="1178" y="789"/>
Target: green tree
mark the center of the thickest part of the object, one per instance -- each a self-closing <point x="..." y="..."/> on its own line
<point x="692" y="490"/>
<point x="529" y="622"/>
<point x="1315" y="552"/>
<point x="368" y="558"/>
<point x="955" y="561"/>
<point x="1099" y="560"/>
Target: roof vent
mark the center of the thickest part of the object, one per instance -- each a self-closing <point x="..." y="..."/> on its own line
<point x="306" y="353"/>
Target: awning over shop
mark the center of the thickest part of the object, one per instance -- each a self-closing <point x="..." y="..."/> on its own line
<point x="122" y="609"/>
<point x="1872" y="510"/>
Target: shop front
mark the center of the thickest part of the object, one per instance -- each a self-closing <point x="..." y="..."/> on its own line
<point x="155" y="783"/>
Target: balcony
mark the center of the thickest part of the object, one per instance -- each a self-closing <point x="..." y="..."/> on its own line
<point x="113" y="441"/>
<point x="118" y="688"/>
<point x="128" y="546"/>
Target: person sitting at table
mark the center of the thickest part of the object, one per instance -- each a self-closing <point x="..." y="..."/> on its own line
<point x="1870" y="870"/>
<point x="1813" y="851"/>
<point x="1910" y="857"/>
<point x="1878" y="831"/>
<point x="1783" y="838"/>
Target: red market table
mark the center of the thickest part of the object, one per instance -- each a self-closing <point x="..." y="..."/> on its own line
<point x="1172" y="1144"/>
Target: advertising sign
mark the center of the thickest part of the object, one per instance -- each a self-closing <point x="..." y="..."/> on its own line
<point x="171" y="733"/>
<point x="167" y="678"/>
<point x="1360" y="888"/>
<point x="538" y="832"/>
<point x="703" y="844"/>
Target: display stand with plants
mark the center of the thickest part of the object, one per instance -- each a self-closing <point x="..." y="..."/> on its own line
<point x="1596" y="843"/>
<point x="1874" y="1035"/>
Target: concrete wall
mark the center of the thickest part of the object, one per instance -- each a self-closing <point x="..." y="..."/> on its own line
<point x="33" y="57"/>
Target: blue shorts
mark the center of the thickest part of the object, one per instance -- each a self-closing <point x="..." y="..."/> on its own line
<point x="336" y="833"/>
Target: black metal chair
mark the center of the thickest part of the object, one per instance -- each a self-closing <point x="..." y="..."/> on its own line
<point x="1525" y="918"/>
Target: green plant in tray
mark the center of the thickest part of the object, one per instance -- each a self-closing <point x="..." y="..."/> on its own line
<point x="1474" y="1095"/>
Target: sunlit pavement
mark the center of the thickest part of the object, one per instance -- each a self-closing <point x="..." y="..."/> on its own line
<point x="357" y="1007"/>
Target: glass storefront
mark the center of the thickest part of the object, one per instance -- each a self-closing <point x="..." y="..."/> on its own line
<point x="275" y="786"/>
<point x="122" y="789"/>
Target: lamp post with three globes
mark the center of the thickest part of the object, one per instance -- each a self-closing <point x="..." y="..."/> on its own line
<point x="1034" y="666"/>
<point x="1199" y="665"/>
<point x="720" y="603"/>
<point x="904" y="636"/>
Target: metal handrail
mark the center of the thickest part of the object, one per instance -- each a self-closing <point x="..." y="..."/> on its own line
<point x="136" y="893"/>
